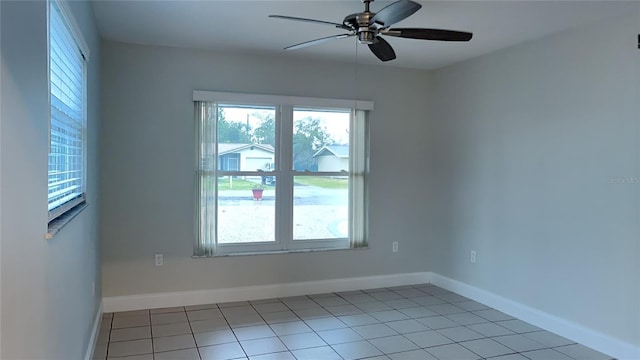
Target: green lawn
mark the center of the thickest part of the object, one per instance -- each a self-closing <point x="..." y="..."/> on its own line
<point x="238" y="184"/>
<point x="319" y="181"/>
<point x="323" y="182"/>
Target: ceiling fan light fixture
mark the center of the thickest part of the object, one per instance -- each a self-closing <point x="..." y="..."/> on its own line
<point x="366" y="37"/>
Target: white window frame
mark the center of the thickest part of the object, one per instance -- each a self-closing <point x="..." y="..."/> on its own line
<point x="205" y="243"/>
<point x="58" y="211"/>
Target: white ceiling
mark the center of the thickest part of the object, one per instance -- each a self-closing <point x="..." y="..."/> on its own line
<point x="243" y="26"/>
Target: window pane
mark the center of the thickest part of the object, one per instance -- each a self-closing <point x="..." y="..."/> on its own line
<point x="246" y="138"/>
<point x="320" y="140"/>
<point x="246" y="210"/>
<point x="320" y="207"/>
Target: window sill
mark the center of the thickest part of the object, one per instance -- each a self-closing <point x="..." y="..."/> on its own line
<point x="61" y="221"/>
<point x="277" y="252"/>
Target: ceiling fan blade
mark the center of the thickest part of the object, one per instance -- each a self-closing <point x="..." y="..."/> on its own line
<point x="340" y="26"/>
<point x="318" y="41"/>
<point x="382" y="49"/>
<point x="428" y="34"/>
<point x="395" y="12"/>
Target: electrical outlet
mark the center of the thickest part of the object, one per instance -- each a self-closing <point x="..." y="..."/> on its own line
<point x="394" y="247"/>
<point x="472" y="258"/>
<point x="159" y="260"/>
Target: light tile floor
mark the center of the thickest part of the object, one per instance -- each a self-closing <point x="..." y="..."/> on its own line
<point x="400" y="323"/>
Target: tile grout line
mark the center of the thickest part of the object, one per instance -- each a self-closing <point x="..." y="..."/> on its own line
<point x="193" y="335"/>
<point x="153" y="351"/>
<point x="231" y="328"/>
<point x="109" y="340"/>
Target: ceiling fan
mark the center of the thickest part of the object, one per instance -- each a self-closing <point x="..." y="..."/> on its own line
<point x="369" y="26"/>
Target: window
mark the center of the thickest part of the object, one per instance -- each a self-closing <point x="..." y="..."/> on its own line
<point x="67" y="137"/>
<point x="279" y="173"/>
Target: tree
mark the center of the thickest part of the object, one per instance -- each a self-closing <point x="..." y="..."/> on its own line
<point x="231" y="131"/>
<point x="266" y="132"/>
<point x="308" y="137"/>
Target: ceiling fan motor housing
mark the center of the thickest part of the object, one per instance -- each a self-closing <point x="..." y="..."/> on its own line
<point x="366" y="32"/>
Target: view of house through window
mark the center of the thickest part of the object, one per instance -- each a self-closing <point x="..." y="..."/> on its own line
<point x="321" y="203"/>
<point x="246" y="143"/>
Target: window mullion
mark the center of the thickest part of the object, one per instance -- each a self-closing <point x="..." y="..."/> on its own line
<point x="284" y="202"/>
<point x="358" y="167"/>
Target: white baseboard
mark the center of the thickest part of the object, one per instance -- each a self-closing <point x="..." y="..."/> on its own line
<point x="94" y="333"/>
<point x="588" y="337"/>
<point x="197" y="297"/>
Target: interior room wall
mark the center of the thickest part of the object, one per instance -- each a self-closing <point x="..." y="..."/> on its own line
<point x="148" y="167"/>
<point x="537" y="168"/>
<point x="48" y="308"/>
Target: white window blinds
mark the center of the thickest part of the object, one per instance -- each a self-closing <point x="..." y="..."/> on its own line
<point x="66" y="175"/>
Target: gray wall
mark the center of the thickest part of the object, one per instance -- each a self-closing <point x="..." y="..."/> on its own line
<point x="47" y="305"/>
<point x="148" y="167"/>
<point x="528" y="140"/>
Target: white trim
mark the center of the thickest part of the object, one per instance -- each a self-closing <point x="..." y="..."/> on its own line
<point x="67" y="14"/>
<point x="49" y="77"/>
<point x="244" y="293"/>
<point x="260" y="99"/>
<point x="91" y="347"/>
<point x="589" y="337"/>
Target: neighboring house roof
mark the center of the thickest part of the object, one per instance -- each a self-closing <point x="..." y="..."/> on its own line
<point x="341" y="151"/>
<point x="234" y="148"/>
